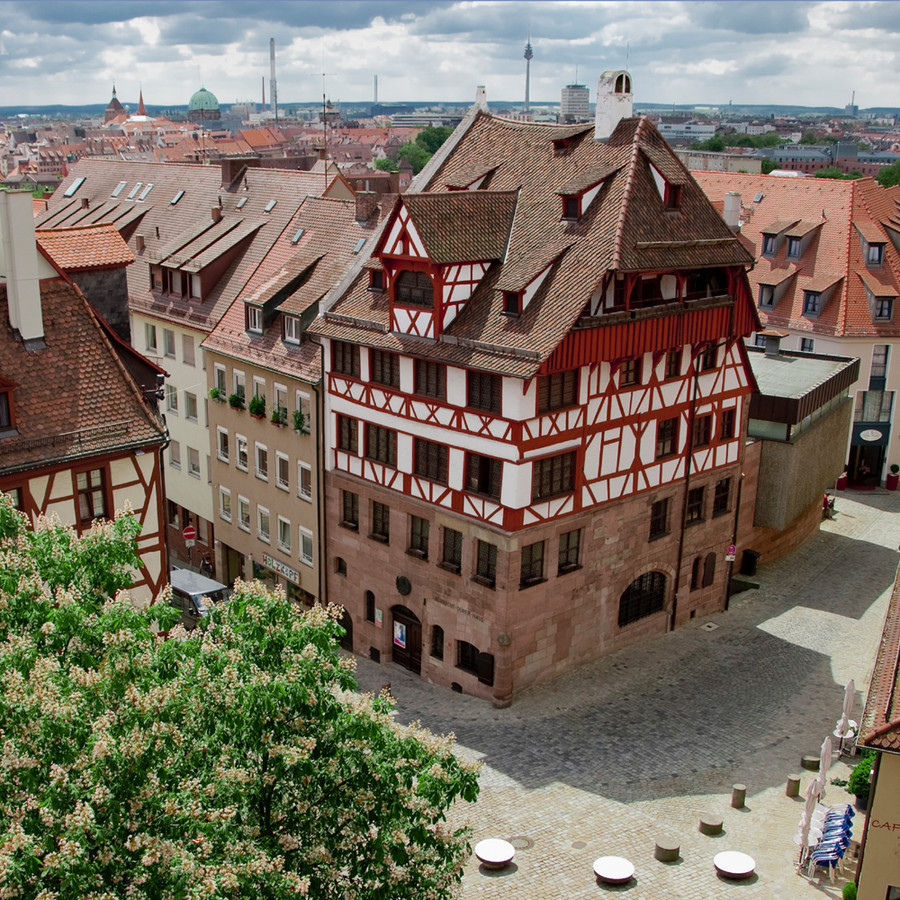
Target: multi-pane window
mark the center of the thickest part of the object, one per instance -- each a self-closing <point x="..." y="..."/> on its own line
<point x="222" y="444"/>
<point x="225" y="504"/>
<point x="553" y="476"/>
<point x="451" y="557"/>
<point x="875" y="254"/>
<point x="884" y="307"/>
<point x="240" y="384"/>
<point x="431" y="460"/>
<point x="150" y="338"/>
<point x="470" y="660"/>
<point x="708" y="358"/>
<point x="254" y="318"/>
<point x="557" y="391"/>
<point x="169" y="343"/>
<point x="90" y="490"/>
<point x="306" y="547"/>
<point x="173" y="514"/>
<point x="279" y="403"/>
<point x="659" y="518"/>
<point x="726" y="428"/>
<point x="262" y="462"/>
<point x="694" y="511"/>
<point x="241" y="448"/>
<point x="385" y="368"/>
<point x="345" y="358"/>
<point x="348" y="434"/>
<point x="243" y="513"/>
<point x="768" y="244"/>
<point x="702" y="430"/>
<point x="643" y="597"/>
<point x="171" y="398"/>
<point x="6" y="418"/>
<point x="284" y="535"/>
<point x="381" y="444"/>
<point x="766" y="295"/>
<point x="304" y="480"/>
<point x="190" y="406"/>
<point x="381" y="522"/>
<point x="193" y="462"/>
<point x="484" y="391"/>
<point x="350" y="509"/>
<point x="418" y="536"/>
<point x="569" y="550"/>
<point x="187" y="349"/>
<point x="483" y="475"/>
<point x="807" y="345"/>
<point x="370" y="606"/>
<point x="811" y="303"/>
<point x="879" y="361"/>
<point x="262" y="524"/>
<point x="431" y="379"/>
<point x="793" y="249"/>
<point x="873" y="406"/>
<point x="630" y="373"/>
<point x="666" y="437"/>
<point x="721" y="497"/>
<point x="282" y="471"/>
<point x="532" y="570"/>
<point x="486" y="563"/>
<point x="291" y="330"/>
<point x="437" y="642"/>
<point x="414" y="289"/>
<point x="175" y="455"/>
<point x="673" y="364"/>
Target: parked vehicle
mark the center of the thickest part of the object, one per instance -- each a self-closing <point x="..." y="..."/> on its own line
<point x="191" y="593"/>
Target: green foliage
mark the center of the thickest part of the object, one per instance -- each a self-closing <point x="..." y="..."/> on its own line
<point x="235" y="401"/>
<point x="414" y="155"/>
<point x="430" y="138"/>
<point x="808" y="137"/>
<point x="858" y="784"/>
<point x="849" y="891"/>
<point x="216" y="393"/>
<point x="386" y="165"/>
<point x="888" y="176"/>
<point x="714" y="144"/>
<point x="767" y="165"/>
<point x="235" y="760"/>
<point x="835" y="172"/>
<point x="300" y="422"/>
<point x="257" y="405"/>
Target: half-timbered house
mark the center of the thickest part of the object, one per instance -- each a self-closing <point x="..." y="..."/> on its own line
<point x="535" y="395"/>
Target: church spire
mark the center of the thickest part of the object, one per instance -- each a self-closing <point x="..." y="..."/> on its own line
<point x="142" y="110"/>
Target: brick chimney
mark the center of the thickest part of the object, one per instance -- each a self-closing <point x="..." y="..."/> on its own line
<point x="19" y="263"/>
<point x="366" y="204"/>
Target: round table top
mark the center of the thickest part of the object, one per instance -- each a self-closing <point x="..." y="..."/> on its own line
<point x="737" y="865"/>
<point x="613" y="868"/>
<point x="495" y="851"/>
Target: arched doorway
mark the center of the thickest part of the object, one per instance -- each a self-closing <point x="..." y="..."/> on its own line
<point x="347" y="624"/>
<point x="406" y="638"/>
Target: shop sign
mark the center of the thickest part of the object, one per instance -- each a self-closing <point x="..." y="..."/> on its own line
<point x="279" y="567"/>
<point x="400" y="635"/>
<point x="870" y="434"/>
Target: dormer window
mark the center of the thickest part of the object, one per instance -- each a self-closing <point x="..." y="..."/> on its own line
<point x="793" y="248"/>
<point x="6" y="409"/>
<point x="254" y="319"/>
<point x="812" y="301"/>
<point x="291" y="330"/>
<point x="571" y="207"/>
<point x="768" y="245"/>
<point x="376" y="281"/>
<point x="766" y="295"/>
<point x="884" y="307"/>
<point x="512" y="303"/>
<point x="414" y="289"/>
<point x="672" y="197"/>
<point x="875" y="254"/>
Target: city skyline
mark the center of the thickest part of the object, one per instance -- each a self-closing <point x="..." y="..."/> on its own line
<point x="809" y="52"/>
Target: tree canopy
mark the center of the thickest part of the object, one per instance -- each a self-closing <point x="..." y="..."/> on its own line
<point x="888" y="176"/>
<point x="431" y="138"/>
<point x="415" y="155"/>
<point x="234" y="760"/>
<point x="386" y="165"/>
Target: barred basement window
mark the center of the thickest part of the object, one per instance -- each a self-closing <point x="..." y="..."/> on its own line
<point x="432" y="461"/>
<point x="552" y="477"/>
<point x="645" y="595"/>
<point x="557" y="391"/>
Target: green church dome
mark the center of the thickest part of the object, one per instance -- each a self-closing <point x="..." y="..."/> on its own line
<point x="203" y="100"/>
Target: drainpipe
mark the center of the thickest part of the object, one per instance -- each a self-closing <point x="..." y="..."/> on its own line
<point x="734" y="535"/>
<point x="320" y="478"/>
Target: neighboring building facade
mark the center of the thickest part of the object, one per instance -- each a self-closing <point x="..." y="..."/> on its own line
<point x="198" y="234"/>
<point x="78" y="436"/>
<point x="828" y="274"/>
<point x="266" y="469"/>
<point x="536" y="390"/>
<point x="574" y="103"/>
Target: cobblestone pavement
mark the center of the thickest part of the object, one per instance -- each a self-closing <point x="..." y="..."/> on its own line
<point x="640" y="744"/>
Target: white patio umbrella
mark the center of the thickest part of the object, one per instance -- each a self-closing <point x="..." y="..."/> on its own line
<point x="813" y="793"/>
<point x="846" y="727"/>
<point x="825" y="760"/>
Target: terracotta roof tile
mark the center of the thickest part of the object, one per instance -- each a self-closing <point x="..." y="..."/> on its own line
<point x="880" y="722"/>
<point x="86" y="247"/>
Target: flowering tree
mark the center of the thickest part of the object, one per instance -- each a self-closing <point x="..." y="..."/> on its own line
<point x="234" y="760"/>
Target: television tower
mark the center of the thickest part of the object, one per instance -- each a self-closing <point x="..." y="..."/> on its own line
<point x="273" y="89"/>
<point x="529" y="55"/>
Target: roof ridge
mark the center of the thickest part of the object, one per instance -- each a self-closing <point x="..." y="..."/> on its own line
<point x="626" y="196"/>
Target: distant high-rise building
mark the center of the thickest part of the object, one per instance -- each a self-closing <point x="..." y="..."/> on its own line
<point x="575" y="103"/>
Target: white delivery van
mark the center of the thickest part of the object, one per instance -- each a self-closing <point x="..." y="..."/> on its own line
<point x="190" y="593"/>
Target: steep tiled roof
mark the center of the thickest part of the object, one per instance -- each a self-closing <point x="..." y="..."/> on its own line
<point x="186" y="200"/>
<point x="73" y="398"/>
<point x="625" y="228"/>
<point x="880" y="723"/>
<point x="849" y="213"/>
<point x="86" y="247"/>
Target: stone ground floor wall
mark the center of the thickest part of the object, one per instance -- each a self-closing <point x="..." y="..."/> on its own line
<point x="533" y="632"/>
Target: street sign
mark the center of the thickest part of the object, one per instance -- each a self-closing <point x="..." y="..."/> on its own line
<point x="189" y="533"/>
<point x="730" y="552"/>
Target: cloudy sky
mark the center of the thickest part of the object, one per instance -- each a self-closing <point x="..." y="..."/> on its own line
<point x="801" y="51"/>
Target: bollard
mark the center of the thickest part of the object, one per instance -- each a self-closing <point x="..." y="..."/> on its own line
<point x="792" y="788"/>
<point x="738" y="795"/>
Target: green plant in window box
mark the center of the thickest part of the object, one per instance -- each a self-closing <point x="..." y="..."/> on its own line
<point x="236" y="401"/>
<point x="300" y="422"/>
<point x="257" y="405"/>
<point x="217" y="394"/>
<point x="279" y="415"/>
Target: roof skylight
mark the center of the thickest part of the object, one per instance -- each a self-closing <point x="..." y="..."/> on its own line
<point x="77" y="183"/>
<point x="241" y="202"/>
<point x="270" y="205"/>
<point x="135" y="189"/>
<point x="176" y="198"/>
<point x="119" y="188"/>
<point x="298" y="235"/>
<point x="146" y="191"/>
<point x="359" y="245"/>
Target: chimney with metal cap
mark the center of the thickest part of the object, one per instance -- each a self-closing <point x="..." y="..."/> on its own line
<point x="366" y="204"/>
<point x="19" y="263"/>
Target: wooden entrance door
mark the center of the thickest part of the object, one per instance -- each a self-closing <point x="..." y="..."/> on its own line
<point x="347" y="625"/>
<point x="406" y="638"/>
